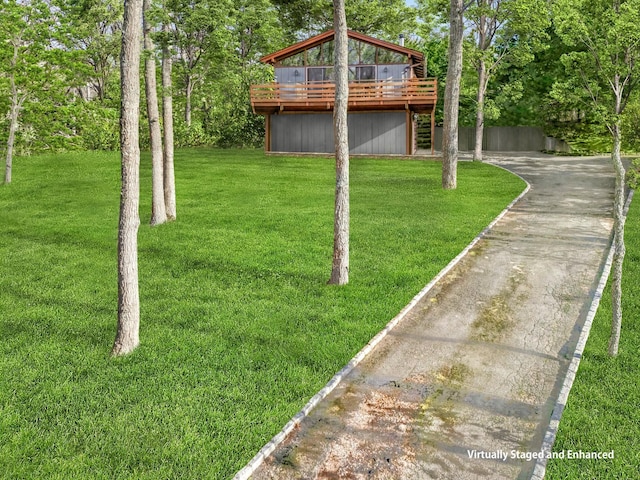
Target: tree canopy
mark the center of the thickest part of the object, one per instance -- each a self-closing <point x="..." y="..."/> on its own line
<point x="67" y="81"/>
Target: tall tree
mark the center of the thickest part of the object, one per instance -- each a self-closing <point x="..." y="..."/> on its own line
<point x="17" y="99"/>
<point x="382" y="18"/>
<point x="127" y="336"/>
<point x="97" y="26"/>
<point x="340" y="264"/>
<point x="158" y="210"/>
<point x="606" y="65"/>
<point x="452" y="95"/>
<point x="504" y="31"/>
<point x="201" y="36"/>
<point x="254" y="31"/>
<point x="27" y="50"/>
<point x="167" y="121"/>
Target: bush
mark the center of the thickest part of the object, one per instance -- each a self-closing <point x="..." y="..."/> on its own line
<point x="101" y="129"/>
<point x="584" y="138"/>
<point x="633" y="174"/>
<point x="631" y="128"/>
<point x="192" y="135"/>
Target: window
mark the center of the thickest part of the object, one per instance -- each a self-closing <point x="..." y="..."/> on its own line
<point x="320" y="74"/>
<point x="327" y="53"/>
<point x="296" y="60"/>
<point x="365" y="73"/>
<point x="367" y="54"/>
<point x="361" y="52"/>
<point x="389" y="56"/>
<point x="314" y="56"/>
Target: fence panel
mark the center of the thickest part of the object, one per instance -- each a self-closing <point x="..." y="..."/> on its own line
<point x="502" y="139"/>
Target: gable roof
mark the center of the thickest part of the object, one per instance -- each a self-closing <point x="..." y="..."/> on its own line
<point x="416" y="58"/>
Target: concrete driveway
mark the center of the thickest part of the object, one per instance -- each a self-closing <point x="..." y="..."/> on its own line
<point x="464" y="385"/>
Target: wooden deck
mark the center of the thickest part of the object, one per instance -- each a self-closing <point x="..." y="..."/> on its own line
<point x="416" y="95"/>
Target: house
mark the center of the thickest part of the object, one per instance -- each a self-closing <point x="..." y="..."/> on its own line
<point x="389" y="97"/>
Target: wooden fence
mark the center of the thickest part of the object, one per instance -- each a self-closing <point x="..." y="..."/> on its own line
<point x="505" y="139"/>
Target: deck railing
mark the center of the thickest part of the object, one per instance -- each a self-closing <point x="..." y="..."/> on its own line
<point x="417" y="91"/>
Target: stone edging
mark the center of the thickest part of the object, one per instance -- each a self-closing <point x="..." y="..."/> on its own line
<point x="554" y="422"/>
<point x="246" y="472"/>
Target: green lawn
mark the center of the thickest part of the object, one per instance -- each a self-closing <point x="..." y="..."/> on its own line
<point x="603" y="411"/>
<point x="238" y="329"/>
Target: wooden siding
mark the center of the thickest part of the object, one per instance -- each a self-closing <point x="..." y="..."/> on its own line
<point x="498" y="139"/>
<point x="369" y="133"/>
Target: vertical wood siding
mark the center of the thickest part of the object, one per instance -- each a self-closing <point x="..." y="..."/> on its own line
<point x="369" y="133"/>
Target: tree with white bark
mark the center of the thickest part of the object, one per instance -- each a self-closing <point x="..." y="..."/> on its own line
<point x="158" y="210"/>
<point x="504" y="32"/>
<point x="605" y="66"/>
<point x="127" y="336"/>
<point x="27" y="35"/>
<point x="167" y="123"/>
<point x="452" y="95"/>
<point x="340" y="264"/>
<point x="200" y="37"/>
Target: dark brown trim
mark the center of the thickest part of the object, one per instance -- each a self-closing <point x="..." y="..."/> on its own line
<point x="409" y="136"/>
<point x="267" y="133"/>
<point x="433" y="132"/>
<point x="415" y="57"/>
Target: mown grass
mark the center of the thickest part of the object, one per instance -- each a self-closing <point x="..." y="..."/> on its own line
<point x="238" y="329"/>
<point x="603" y="410"/>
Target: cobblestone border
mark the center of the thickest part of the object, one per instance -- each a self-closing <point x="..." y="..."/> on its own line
<point x="246" y="472"/>
<point x="554" y="422"/>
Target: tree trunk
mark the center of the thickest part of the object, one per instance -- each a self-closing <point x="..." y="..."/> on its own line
<point x="127" y="336"/>
<point x="158" y="211"/>
<point x="187" y="107"/>
<point x="452" y="97"/>
<point x="618" y="239"/>
<point x="167" y="118"/>
<point x="340" y="264"/>
<point x="14" y="112"/>
<point x="482" y="88"/>
<point x="13" y="126"/>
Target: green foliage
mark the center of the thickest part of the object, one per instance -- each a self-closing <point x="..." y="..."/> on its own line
<point x="506" y="34"/>
<point x="530" y="103"/>
<point x="238" y="329"/>
<point x="633" y="174"/>
<point x="193" y="135"/>
<point x="93" y="33"/>
<point x="219" y="45"/>
<point x="32" y="70"/>
<point x="514" y="30"/>
<point x="630" y="123"/>
<point x="100" y="127"/>
<point x="384" y="19"/>
<point x="47" y="126"/>
<point x="433" y="42"/>
<point x="602" y="69"/>
<point x="606" y="49"/>
<point x="228" y="117"/>
<point x="602" y="412"/>
<point x="584" y="138"/>
<point x="66" y="125"/>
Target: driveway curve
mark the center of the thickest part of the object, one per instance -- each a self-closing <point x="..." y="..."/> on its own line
<point x="463" y="387"/>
